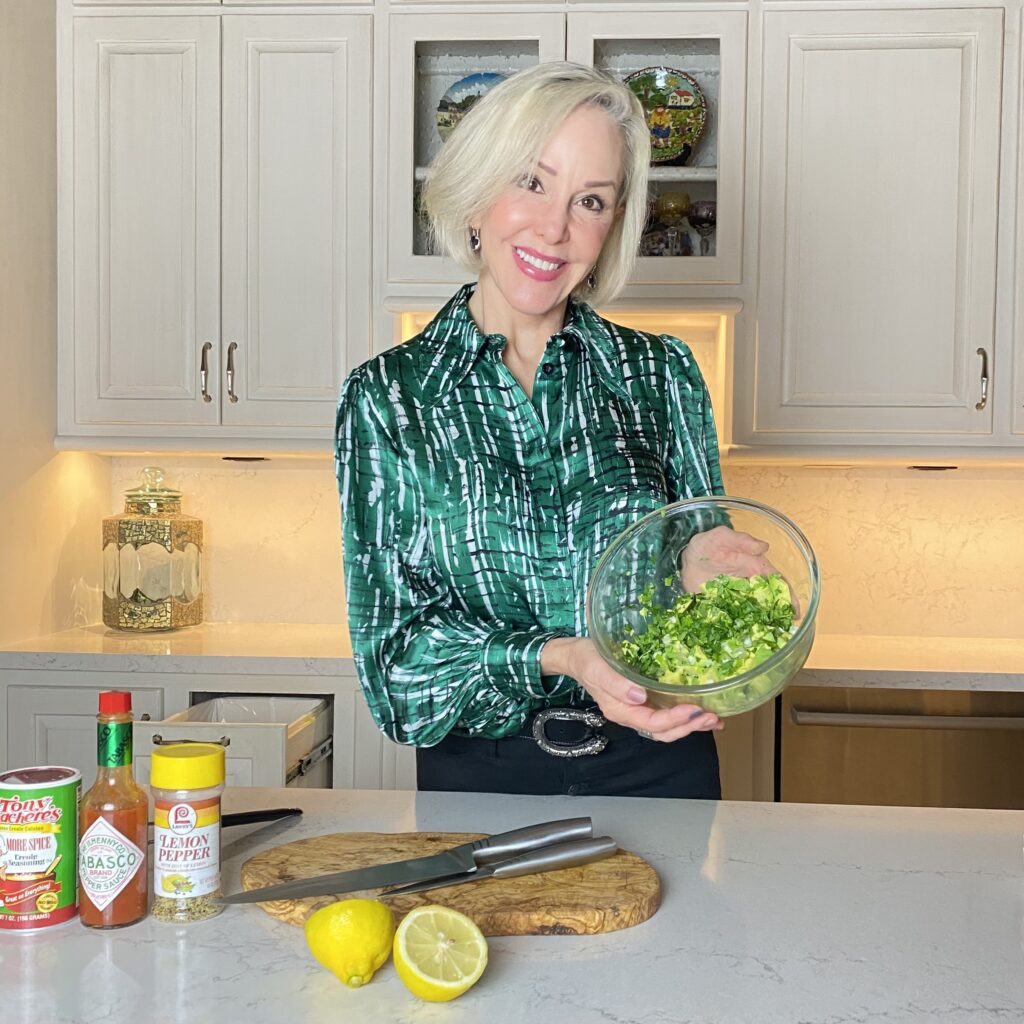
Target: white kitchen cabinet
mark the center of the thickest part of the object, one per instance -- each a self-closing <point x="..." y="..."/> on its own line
<point x="880" y="142"/>
<point x="51" y="718"/>
<point x="48" y="724"/>
<point x="296" y="241"/>
<point x="429" y="53"/>
<point x="221" y="188"/>
<point x="712" y="47"/>
<point x="146" y="173"/>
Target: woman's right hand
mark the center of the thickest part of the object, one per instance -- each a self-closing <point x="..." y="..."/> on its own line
<point x="621" y="700"/>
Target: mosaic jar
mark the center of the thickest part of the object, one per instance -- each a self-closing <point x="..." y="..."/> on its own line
<point x="152" y="560"/>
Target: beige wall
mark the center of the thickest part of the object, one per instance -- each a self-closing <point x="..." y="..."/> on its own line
<point x="902" y="552"/>
<point x="49" y="503"/>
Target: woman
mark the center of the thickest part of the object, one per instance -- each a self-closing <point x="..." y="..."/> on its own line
<point x="486" y="464"/>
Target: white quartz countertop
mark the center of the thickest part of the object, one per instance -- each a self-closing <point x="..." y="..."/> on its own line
<point x="771" y="914"/>
<point x="955" y="663"/>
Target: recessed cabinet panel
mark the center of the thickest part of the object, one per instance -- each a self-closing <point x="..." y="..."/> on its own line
<point x="296" y="223"/>
<point x="695" y="111"/>
<point x="146" y="217"/>
<point x="878" y="222"/>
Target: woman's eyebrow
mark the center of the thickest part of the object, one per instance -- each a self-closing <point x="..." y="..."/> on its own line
<point x="587" y="184"/>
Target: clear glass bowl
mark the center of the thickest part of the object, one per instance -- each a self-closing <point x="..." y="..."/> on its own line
<point x="649" y="554"/>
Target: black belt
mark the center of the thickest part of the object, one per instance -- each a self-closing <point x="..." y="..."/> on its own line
<point x="572" y="732"/>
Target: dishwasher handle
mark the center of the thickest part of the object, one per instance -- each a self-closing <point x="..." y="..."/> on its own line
<point x="909" y="721"/>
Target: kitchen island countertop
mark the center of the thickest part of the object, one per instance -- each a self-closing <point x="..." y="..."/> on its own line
<point x="771" y="914"/>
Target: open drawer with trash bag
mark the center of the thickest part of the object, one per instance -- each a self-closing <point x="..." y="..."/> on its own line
<point x="268" y="740"/>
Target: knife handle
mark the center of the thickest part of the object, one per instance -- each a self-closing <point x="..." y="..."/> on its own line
<point x="551" y="858"/>
<point x="521" y="840"/>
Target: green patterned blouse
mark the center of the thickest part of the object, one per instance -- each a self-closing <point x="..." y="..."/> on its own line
<point x="474" y="515"/>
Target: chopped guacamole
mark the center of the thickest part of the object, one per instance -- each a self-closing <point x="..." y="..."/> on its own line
<point x="728" y="627"/>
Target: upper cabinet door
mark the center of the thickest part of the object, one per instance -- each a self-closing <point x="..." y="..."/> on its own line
<point x="296" y="215"/>
<point x="428" y="55"/>
<point x="880" y="162"/>
<point x="146" y="220"/>
<point x="695" y="109"/>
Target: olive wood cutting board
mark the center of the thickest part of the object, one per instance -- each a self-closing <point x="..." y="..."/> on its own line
<point x="617" y="892"/>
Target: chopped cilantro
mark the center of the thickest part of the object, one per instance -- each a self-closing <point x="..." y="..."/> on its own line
<point x="728" y="627"/>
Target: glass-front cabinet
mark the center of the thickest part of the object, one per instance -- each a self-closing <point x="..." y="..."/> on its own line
<point x="687" y="69"/>
<point x="689" y="72"/>
<point x="438" y="64"/>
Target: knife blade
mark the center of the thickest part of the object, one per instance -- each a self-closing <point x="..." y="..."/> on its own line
<point x="467" y="857"/>
<point x="230" y="818"/>
<point x="548" y="858"/>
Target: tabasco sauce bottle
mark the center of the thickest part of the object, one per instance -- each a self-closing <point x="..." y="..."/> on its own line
<point x="113" y="815"/>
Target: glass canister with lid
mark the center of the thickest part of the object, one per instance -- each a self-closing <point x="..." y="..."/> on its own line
<point x="186" y="780"/>
<point x="152" y="560"/>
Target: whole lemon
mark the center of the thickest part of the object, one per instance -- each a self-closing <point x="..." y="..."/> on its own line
<point x="351" y="938"/>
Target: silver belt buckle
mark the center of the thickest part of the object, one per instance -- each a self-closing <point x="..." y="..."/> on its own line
<point x="592" y="745"/>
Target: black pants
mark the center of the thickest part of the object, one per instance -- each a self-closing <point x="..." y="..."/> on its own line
<point x="628" y="766"/>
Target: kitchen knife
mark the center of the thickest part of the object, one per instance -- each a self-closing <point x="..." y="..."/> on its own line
<point x="253" y="817"/>
<point x="548" y="858"/>
<point x="467" y="857"/>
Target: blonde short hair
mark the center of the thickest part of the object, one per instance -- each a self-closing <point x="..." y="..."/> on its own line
<point x="500" y="140"/>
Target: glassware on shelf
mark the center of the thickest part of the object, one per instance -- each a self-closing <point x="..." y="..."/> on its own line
<point x="702" y="218"/>
<point x="671" y="208"/>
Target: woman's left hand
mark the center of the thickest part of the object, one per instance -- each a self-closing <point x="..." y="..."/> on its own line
<point x="722" y="551"/>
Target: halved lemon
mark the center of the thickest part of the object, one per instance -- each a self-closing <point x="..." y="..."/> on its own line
<point x="439" y="953"/>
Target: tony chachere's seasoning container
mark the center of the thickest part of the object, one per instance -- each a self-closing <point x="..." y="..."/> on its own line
<point x="186" y="780"/>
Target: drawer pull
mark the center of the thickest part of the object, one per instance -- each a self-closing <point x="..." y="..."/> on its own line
<point x="158" y="740"/>
<point x="896" y="721"/>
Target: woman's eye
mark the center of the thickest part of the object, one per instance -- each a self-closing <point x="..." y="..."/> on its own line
<point x="531" y="184"/>
<point x="595" y="203"/>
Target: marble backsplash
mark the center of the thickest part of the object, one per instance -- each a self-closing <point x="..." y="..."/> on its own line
<point x="902" y="552"/>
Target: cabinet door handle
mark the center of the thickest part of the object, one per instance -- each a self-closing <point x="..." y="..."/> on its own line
<point x="984" y="380"/>
<point x="204" y="372"/>
<point x="232" y="397"/>
<point x="896" y="721"/>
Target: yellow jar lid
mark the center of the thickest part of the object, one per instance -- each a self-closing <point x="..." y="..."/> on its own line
<point x="187" y="766"/>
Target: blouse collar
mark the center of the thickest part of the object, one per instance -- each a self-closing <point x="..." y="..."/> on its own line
<point x="453" y="342"/>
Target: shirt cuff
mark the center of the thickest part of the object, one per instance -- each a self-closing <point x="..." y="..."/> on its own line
<point x="511" y="664"/>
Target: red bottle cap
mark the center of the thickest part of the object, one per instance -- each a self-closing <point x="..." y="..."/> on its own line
<point x="115" y="702"/>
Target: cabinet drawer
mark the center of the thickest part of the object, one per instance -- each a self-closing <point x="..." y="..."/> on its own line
<point x="269" y="740"/>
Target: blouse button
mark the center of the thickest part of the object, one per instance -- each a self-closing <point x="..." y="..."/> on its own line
<point x="548" y="368"/>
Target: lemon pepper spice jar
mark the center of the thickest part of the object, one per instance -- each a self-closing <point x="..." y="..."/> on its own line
<point x="186" y="780"/>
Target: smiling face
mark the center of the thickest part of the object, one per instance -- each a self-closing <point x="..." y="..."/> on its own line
<point x="544" y="235"/>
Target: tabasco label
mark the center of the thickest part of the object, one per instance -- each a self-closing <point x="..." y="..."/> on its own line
<point x="107" y="862"/>
<point x="186" y="848"/>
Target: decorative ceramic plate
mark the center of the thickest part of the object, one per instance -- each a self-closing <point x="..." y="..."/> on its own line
<point x="675" y="108"/>
<point x="461" y="96"/>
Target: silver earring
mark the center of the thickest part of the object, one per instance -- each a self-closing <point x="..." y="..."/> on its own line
<point x="592" y="279"/>
<point x="474" y="239"/>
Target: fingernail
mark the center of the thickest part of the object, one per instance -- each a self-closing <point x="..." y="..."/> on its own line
<point x="637" y="695"/>
<point x="695" y="715"/>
